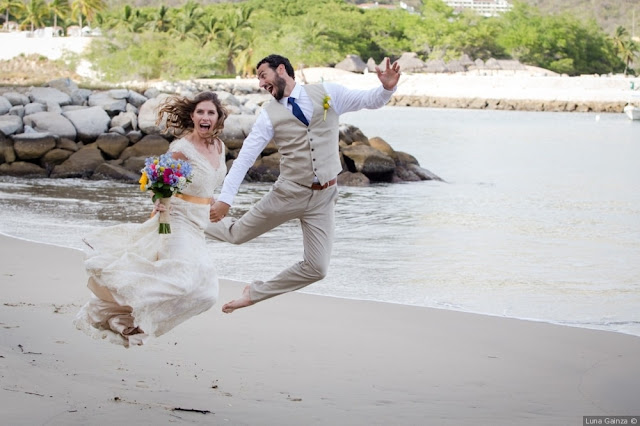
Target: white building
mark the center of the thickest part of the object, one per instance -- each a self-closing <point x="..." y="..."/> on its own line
<point x="481" y="7"/>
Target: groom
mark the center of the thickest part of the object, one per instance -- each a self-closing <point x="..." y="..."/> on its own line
<point x="303" y="123"/>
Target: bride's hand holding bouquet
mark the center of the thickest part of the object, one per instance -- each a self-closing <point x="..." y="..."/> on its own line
<point x="164" y="176"/>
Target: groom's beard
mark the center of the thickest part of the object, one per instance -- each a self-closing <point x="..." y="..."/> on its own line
<point x="280" y="85"/>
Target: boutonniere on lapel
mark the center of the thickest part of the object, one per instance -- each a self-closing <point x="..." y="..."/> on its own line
<point x="325" y="105"/>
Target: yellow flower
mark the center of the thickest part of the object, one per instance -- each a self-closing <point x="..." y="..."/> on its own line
<point x="144" y="179"/>
<point x="325" y="105"/>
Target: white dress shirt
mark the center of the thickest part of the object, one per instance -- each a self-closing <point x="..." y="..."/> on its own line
<point x="342" y="100"/>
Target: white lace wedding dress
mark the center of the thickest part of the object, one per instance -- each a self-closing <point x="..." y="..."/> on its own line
<point x="145" y="283"/>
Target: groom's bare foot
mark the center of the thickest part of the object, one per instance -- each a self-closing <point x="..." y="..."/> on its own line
<point x="242" y="302"/>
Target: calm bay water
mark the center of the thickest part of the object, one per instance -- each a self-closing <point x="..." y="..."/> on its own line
<point x="539" y="218"/>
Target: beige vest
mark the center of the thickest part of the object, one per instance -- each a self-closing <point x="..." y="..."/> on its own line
<point x="306" y="151"/>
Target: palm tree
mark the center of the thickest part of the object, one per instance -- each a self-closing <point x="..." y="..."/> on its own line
<point x="34" y="14"/>
<point x="86" y="8"/>
<point x="628" y="53"/>
<point x="186" y="20"/>
<point x="10" y="7"/>
<point x="210" y="27"/>
<point x="59" y="9"/>
<point x="159" y="20"/>
<point x="233" y="36"/>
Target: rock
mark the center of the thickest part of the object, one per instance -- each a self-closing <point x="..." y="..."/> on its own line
<point x="148" y="115"/>
<point x="378" y="167"/>
<point x="54" y="157"/>
<point x="50" y="122"/>
<point x="265" y="169"/>
<point x="22" y="169"/>
<point x="236" y="129"/>
<point x="7" y="154"/>
<point x="89" y="122"/>
<point x="68" y="144"/>
<point x="126" y="120"/>
<point x="150" y="145"/>
<point x="48" y="94"/>
<point x="65" y="85"/>
<point x="115" y="172"/>
<point x="382" y="146"/>
<point x="5" y="105"/>
<point x="353" y="179"/>
<point x="80" y="164"/>
<point x="136" y="99"/>
<point x="112" y="144"/>
<point x="16" y="98"/>
<point x="350" y="134"/>
<point x="32" y="146"/>
<point x="134" y="164"/>
<point x="80" y="97"/>
<point x="10" y="124"/>
<point x="108" y="102"/>
<point x="33" y="108"/>
<point x="17" y="110"/>
<point x="424" y="174"/>
<point x="352" y="63"/>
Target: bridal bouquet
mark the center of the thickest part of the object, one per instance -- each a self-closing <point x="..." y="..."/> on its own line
<point x="164" y="176"/>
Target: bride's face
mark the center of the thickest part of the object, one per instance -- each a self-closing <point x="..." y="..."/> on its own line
<point x="205" y="117"/>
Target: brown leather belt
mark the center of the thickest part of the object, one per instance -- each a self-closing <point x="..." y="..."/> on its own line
<point x="317" y="186"/>
<point x="194" y="199"/>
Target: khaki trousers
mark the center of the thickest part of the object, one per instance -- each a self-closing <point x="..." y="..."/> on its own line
<point x="285" y="201"/>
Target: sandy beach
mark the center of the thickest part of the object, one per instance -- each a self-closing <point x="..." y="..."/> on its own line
<point x="297" y="359"/>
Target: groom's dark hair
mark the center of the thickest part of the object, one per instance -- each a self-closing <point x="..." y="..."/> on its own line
<point x="276" y="60"/>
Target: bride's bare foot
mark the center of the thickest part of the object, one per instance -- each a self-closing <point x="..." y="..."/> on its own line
<point x="242" y="302"/>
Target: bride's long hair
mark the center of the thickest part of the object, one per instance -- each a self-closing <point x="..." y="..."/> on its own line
<point x="177" y="111"/>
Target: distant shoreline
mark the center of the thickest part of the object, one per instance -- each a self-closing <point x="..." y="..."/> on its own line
<point x="533" y="89"/>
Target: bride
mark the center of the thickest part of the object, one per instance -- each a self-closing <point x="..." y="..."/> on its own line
<point x="145" y="283"/>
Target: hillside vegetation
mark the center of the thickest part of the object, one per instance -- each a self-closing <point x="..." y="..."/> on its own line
<point x="212" y="38"/>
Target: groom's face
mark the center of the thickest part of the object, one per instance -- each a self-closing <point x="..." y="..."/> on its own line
<point x="271" y="81"/>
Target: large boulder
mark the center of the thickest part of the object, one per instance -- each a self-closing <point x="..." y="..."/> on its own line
<point x="115" y="172"/>
<point x="136" y="99"/>
<point x="80" y="164"/>
<point x="126" y="120"/>
<point x="89" y="122"/>
<point x="149" y="113"/>
<point x="10" y="124"/>
<point x="378" y="167"/>
<point x="16" y="98"/>
<point x="265" y="169"/>
<point x="112" y="101"/>
<point x="54" y="157"/>
<point x="45" y="95"/>
<point x="112" y="144"/>
<point x="31" y="146"/>
<point x="353" y="179"/>
<point x="150" y="145"/>
<point x="22" y="169"/>
<point x="5" y="105"/>
<point x="51" y="122"/>
<point x="236" y="129"/>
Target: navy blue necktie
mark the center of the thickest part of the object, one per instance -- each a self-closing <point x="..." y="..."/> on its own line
<point x="297" y="111"/>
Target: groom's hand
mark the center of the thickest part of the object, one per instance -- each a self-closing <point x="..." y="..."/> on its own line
<point x="218" y="211"/>
<point x="391" y="74"/>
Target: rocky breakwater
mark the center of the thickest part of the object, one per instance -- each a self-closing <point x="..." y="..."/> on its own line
<point x="63" y="131"/>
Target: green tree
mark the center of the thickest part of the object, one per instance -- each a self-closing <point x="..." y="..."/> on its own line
<point x="59" y="9"/>
<point x="186" y="20"/>
<point x="35" y="12"/>
<point x="11" y="7"/>
<point x="160" y="20"/>
<point x="86" y="8"/>
<point x="233" y="35"/>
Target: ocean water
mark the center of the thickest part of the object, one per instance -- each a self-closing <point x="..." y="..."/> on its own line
<point x="538" y="218"/>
